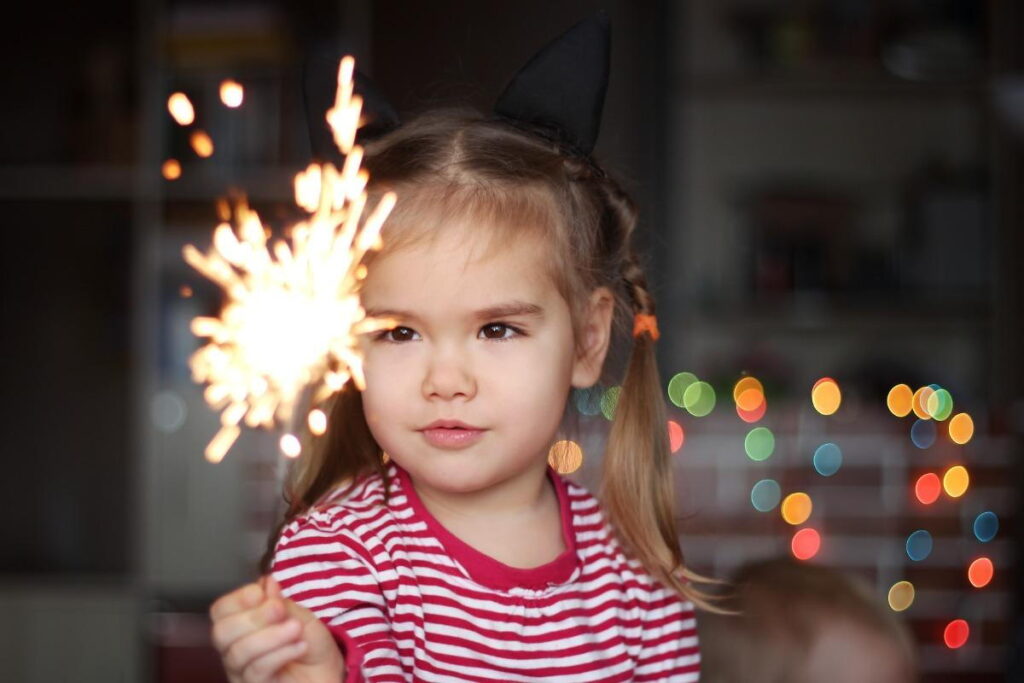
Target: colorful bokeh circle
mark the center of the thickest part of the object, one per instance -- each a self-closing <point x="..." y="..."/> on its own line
<point x="828" y="458"/>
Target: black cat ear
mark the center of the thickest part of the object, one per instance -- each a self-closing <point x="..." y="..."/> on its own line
<point x="561" y="89"/>
<point x="319" y="85"/>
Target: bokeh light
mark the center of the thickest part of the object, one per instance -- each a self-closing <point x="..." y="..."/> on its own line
<point x="956" y="634"/>
<point x="919" y="545"/>
<point x="201" y="143"/>
<point x="699" y="399"/>
<point x="922" y="433"/>
<point x="290" y="446"/>
<point x="961" y="428"/>
<point x="955" y="481"/>
<point x="231" y="93"/>
<point x="171" y="169"/>
<point x="751" y="416"/>
<point x="565" y="456"/>
<point x="750" y="400"/>
<point x="181" y="109"/>
<point x="676" y="436"/>
<point x="588" y="401"/>
<point x="928" y="488"/>
<point x="980" y="572"/>
<point x="826" y="396"/>
<point x="940" y="404"/>
<point x="678" y="385"/>
<point x="828" y="458"/>
<point x="986" y="526"/>
<point x="765" y="495"/>
<point x="920" y="402"/>
<point x="748" y="394"/>
<point x="806" y="544"/>
<point x="899" y="400"/>
<point x="610" y="401"/>
<point x="747" y="383"/>
<point x="901" y="596"/>
<point x="796" y="508"/>
<point x="317" y="421"/>
<point x="759" y="443"/>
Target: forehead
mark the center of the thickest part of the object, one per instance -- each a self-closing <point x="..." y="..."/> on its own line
<point x="461" y="265"/>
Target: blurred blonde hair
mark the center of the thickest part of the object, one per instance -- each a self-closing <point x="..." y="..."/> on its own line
<point x="780" y="607"/>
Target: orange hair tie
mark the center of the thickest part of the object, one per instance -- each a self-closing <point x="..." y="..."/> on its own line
<point x="643" y="322"/>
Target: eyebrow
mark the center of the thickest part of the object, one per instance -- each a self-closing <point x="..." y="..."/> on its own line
<point x="502" y="310"/>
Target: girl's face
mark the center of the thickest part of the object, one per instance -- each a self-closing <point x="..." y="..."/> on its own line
<point x="484" y="340"/>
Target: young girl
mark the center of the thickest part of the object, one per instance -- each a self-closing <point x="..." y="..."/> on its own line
<point x="427" y="537"/>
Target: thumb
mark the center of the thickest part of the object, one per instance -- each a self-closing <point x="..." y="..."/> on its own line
<point x="272" y="587"/>
<point x="297" y="611"/>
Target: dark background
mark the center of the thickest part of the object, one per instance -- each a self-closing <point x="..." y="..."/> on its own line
<point x="783" y="240"/>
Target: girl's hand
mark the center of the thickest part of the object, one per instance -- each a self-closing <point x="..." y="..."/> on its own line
<point x="263" y="637"/>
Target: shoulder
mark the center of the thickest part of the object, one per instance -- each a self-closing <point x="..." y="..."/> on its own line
<point x="348" y="517"/>
<point x="603" y="555"/>
<point x="581" y="501"/>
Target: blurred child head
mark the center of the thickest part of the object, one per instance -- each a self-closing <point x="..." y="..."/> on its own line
<point x="803" y="623"/>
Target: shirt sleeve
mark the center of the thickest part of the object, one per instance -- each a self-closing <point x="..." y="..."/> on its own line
<point x="323" y="566"/>
<point x="669" y="650"/>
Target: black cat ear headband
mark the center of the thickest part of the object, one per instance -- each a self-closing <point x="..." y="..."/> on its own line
<point x="558" y="94"/>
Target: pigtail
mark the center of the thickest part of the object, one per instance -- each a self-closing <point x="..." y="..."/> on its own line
<point x="637" y="479"/>
<point x="637" y="488"/>
<point x="346" y="451"/>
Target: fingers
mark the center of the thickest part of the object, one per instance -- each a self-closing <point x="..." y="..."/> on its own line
<point x="240" y="600"/>
<point x="262" y="668"/>
<point x="265" y="644"/>
<point x="227" y="630"/>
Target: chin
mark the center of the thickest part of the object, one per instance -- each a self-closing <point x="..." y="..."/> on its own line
<point x="453" y="472"/>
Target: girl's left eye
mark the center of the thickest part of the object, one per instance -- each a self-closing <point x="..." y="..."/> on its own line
<point x="500" y="331"/>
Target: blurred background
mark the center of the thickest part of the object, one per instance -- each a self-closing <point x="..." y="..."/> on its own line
<point x="828" y="189"/>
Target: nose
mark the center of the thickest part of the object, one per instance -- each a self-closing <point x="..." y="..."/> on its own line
<point x="449" y="375"/>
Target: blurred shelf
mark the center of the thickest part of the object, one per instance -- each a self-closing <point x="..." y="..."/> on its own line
<point x="844" y="320"/>
<point x="127" y="182"/>
<point x="876" y="87"/>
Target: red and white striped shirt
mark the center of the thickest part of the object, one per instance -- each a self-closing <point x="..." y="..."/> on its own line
<point x="408" y="601"/>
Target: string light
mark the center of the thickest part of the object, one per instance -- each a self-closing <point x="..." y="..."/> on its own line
<point x="565" y="456"/>
<point x="676" y="436"/>
<point x="826" y="396"/>
<point x="901" y="596"/>
<point x="900" y="400"/>
<point x="796" y="508"/>
<point x="928" y="488"/>
<point x="961" y="428"/>
<point x="980" y="572"/>
<point x="805" y="544"/>
<point x="955" y="481"/>
<point x="956" y="634"/>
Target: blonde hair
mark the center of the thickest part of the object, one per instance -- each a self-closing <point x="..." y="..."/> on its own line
<point x="777" y="610"/>
<point x="454" y="164"/>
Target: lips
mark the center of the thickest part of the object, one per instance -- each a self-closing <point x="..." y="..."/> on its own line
<point x="451" y="434"/>
<point x="450" y="424"/>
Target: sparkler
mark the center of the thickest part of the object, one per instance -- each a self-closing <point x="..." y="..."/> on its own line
<point x="292" y="318"/>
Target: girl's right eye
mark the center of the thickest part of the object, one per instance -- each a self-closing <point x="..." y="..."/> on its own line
<point x="397" y="335"/>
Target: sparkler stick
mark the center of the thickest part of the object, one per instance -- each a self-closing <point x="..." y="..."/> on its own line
<point x="292" y="318"/>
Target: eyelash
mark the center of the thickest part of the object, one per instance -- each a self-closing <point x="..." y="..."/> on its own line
<point x="518" y="332"/>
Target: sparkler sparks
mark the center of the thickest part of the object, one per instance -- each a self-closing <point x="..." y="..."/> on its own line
<point x="292" y="319"/>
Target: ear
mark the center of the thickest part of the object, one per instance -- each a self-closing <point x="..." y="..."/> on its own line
<point x="596" y="332"/>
